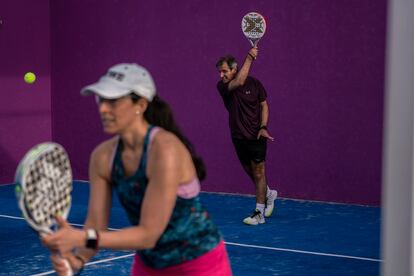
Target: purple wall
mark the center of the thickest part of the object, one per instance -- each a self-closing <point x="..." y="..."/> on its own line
<point x="25" y="112"/>
<point x="322" y="63"/>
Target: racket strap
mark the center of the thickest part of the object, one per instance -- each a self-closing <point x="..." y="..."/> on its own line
<point x="83" y="261"/>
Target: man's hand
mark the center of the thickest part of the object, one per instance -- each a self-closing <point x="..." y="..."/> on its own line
<point x="253" y="53"/>
<point x="263" y="133"/>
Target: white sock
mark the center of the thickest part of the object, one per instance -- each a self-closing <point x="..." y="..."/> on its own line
<point x="260" y="207"/>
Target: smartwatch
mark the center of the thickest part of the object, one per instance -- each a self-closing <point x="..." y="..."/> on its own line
<point x="92" y="238"/>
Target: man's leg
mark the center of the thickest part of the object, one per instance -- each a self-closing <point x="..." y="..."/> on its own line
<point x="248" y="169"/>
<point x="241" y="147"/>
<point x="259" y="178"/>
<point x="246" y="151"/>
<point x="263" y="193"/>
<point x="257" y="175"/>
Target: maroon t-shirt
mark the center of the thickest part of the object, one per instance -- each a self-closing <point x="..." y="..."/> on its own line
<point x="243" y="105"/>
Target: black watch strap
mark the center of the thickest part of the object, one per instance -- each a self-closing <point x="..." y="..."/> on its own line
<point x="92" y="238"/>
<point x="263" y="127"/>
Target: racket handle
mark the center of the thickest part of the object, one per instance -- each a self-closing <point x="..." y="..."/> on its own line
<point x="253" y="42"/>
<point x="69" y="271"/>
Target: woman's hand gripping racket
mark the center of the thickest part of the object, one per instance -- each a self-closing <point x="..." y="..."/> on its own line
<point x="43" y="187"/>
<point x="253" y="26"/>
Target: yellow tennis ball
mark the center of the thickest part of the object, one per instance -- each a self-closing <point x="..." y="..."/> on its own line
<point x="29" y="77"/>
<point x="18" y="189"/>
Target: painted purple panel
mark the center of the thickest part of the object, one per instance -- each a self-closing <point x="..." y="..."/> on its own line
<point x="322" y="63"/>
<point x="25" y="112"/>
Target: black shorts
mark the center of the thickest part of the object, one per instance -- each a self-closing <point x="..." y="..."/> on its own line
<point x="250" y="150"/>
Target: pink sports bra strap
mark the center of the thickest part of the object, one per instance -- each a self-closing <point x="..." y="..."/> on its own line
<point x="189" y="190"/>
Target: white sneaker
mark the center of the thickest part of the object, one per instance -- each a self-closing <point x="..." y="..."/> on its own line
<point x="256" y="218"/>
<point x="270" y="203"/>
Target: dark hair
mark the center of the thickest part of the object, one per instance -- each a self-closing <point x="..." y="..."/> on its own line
<point x="230" y="60"/>
<point x="160" y="114"/>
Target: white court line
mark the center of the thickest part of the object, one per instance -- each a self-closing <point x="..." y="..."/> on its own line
<point x="12" y="217"/>
<point x="304" y="252"/>
<point x="90" y="263"/>
<point x="8" y="184"/>
<point x="268" y="248"/>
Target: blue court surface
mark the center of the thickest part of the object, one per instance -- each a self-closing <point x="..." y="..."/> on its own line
<point x="301" y="238"/>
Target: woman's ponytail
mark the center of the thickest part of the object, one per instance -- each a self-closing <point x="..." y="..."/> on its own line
<point x="160" y="114"/>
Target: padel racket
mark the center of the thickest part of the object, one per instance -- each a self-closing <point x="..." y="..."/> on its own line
<point x="253" y="26"/>
<point x="43" y="187"/>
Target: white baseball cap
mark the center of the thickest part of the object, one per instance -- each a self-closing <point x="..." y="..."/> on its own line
<point x="121" y="80"/>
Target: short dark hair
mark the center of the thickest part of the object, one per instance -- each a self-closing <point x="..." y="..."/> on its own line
<point x="229" y="59"/>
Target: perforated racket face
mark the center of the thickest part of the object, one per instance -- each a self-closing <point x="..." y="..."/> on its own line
<point x="253" y="26"/>
<point x="44" y="185"/>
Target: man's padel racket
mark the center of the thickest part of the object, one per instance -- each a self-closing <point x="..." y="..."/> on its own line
<point x="43" y="187"/>
<point x="253" y="26"/>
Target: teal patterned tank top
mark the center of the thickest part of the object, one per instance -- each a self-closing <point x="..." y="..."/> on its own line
<point x="190" y="232"/>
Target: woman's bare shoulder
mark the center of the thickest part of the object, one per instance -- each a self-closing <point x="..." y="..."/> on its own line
<point x="104" y="151"/>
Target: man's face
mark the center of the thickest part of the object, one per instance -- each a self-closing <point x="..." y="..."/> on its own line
<point x="226" y="73"/>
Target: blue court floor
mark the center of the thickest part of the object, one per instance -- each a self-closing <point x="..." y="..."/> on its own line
<point x="301" y="238"/>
